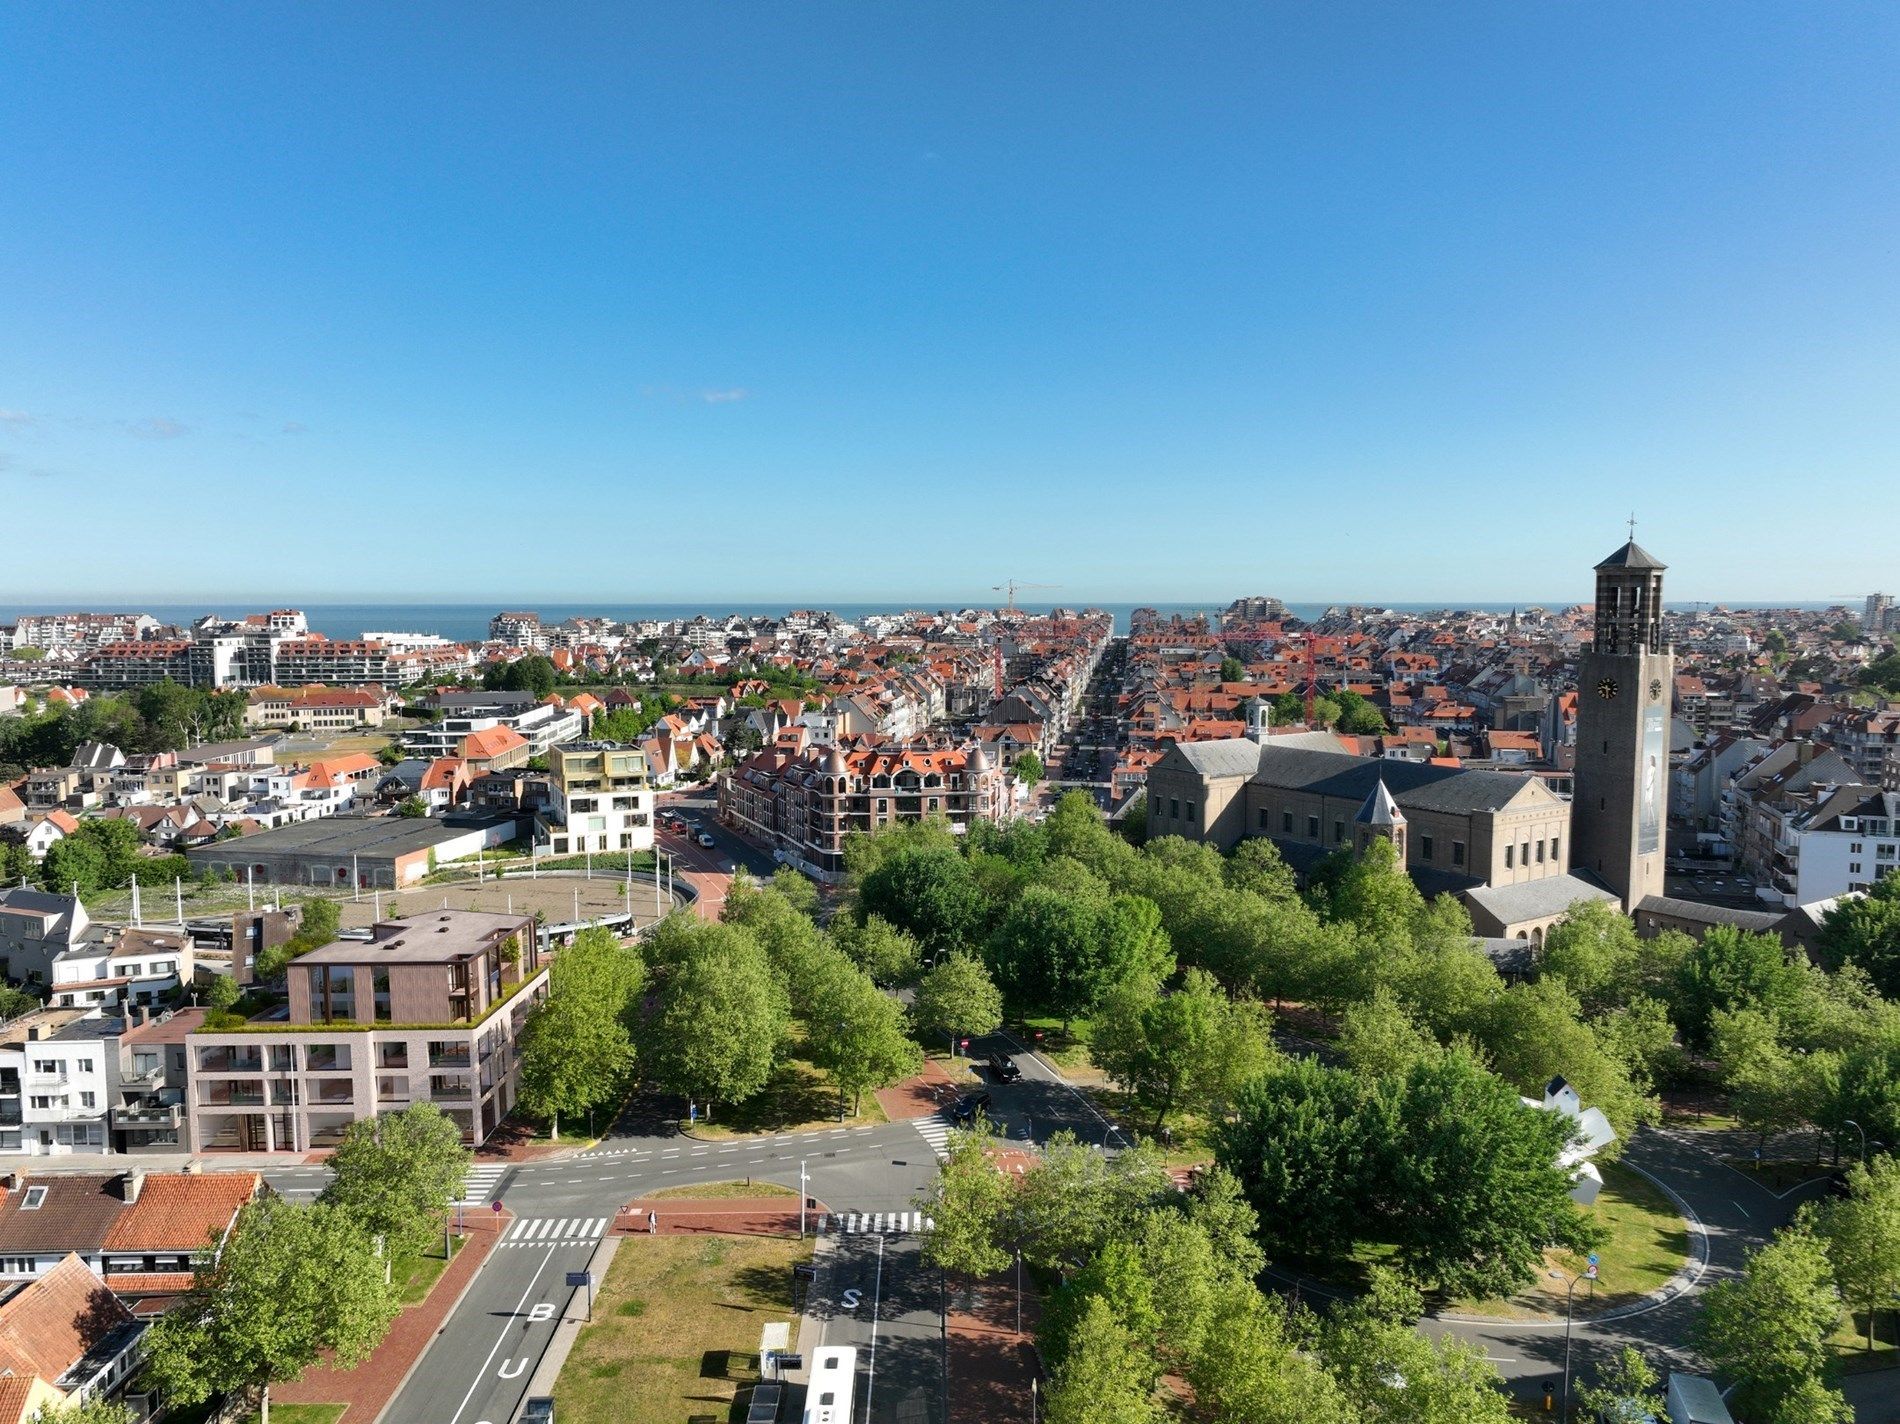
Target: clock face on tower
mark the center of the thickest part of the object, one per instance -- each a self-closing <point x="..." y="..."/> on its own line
<point x="1606" y="689"/>
<point x="1655" y="688"/>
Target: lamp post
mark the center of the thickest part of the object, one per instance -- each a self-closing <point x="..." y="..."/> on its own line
<point x="1849" y="1122"/>
<point x="1570" y="1296"/>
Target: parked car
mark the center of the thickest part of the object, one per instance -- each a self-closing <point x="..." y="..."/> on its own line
<point x="964" y="1110"/>
<point x="705" y="839"/>
<point x="1003" y="1068"/>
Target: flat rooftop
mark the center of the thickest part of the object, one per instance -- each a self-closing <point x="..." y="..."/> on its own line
<point x="343" y="836"/>
<point x="432" y="937"/>
<point x="58" y="1026"/>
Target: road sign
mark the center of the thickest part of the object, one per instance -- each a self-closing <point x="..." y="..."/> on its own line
<point x="495" y="1206"/>
<point x="1593" y="1258"/>
<point x="580" y="1278"/>
<point x="964" y="1044"/>
<point x="1590" y="1274"/>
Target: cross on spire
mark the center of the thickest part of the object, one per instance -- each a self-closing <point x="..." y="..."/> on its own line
<point x="1632" y="526"/>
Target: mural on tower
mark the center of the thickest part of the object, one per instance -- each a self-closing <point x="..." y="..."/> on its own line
<point x="1649" y="812"/>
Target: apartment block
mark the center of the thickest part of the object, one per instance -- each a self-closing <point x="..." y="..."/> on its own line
<point x="602" y="799"/>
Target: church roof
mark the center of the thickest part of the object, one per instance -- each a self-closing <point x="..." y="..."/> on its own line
<point x="1632" y="556"/>
<point x="1379" y="808"/>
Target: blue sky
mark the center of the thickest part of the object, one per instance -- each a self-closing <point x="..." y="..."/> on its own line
<point x="858" y="301"/>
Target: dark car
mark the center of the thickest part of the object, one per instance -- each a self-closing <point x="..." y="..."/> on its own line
<point x="964" y="1110"/>
<point x="1003" y="1068"/>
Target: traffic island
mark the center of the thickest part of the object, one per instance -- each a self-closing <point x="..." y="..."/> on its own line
<point x="718" y="1209"/>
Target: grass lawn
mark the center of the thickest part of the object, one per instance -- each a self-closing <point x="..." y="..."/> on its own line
<point x="1069" y="1050"/>
<point x="721" y="1191"/>
<point x="415" y="1276"/>
<point x="1849" y="1344"/>
<point x="302" y="1414"/>
<point x="799" y="1098"/>
<point x="1192" y="1142"/>
<point x="676" y="1329"/>
<point x="1648" y="1244"/>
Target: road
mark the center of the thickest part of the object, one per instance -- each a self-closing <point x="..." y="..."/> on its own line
<point x="875" y="1295"/>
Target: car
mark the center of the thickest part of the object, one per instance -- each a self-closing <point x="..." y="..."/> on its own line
<point x="964" y="1110"/>
<point x="705" y="839"/>
<point x="1003" y="1068"/>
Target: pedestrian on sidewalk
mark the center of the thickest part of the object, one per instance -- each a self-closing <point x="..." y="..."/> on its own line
<point x="653" y="1223"/>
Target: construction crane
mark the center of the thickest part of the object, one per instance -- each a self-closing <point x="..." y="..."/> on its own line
<point x="1009" y="586"/>
<point x="1312" y="678"/>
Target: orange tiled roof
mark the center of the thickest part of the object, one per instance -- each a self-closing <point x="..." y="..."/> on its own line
<point x="176" y="1212"/>
<point x="50" y="1323"/>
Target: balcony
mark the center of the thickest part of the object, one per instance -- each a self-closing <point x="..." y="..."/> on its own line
<point x="147" y="1118"/>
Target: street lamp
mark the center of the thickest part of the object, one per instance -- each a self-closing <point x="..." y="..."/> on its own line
<point x="1570" y="1296"/>
<point x="1849" y="1122"/>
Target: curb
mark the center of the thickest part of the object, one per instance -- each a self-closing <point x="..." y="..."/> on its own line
<point x="454" y="1305"/>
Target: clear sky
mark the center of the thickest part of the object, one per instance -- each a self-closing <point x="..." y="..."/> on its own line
<point x="671" y="301"/>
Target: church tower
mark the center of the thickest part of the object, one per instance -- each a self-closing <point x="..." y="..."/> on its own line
<point x="1625" y="682"/>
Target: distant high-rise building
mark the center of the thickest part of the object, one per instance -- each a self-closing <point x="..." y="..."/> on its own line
<point x="1624" y="681"/>
<point x="1879" y="616"/>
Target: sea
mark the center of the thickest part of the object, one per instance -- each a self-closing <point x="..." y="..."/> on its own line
<point x="468" y="622"/>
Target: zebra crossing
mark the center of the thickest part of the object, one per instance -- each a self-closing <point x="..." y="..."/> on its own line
<point x="554" y="1231"/>
<point x="936" y="1131"/>
<point x="847" y="1223"/>
<point x="481" y="1183"/>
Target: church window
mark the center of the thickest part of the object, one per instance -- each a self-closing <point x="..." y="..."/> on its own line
<point x="1540" y="852"/>
<point x="1312" y="827"/>
<point x="1457" y="852"/>
<point x="1263" y="818"/>
<point x="1190" y="810"/>
<point x="1174" y="809"/>
<point x="1425" y="847"/>
<point x="1509" y="853"/>
<point x="1339" y="831"/>
<point x="1286" y="822"/>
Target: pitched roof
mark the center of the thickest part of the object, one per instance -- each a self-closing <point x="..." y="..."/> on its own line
<point x="51" y="1323"/>
<point x="491" y="742"/>
<point x="176" y="1212"/>
<point x="1535" y="899"/>
<point x="1632" y="556"/>
<point x="75" y="1214"/>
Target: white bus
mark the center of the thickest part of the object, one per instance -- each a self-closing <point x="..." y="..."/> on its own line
<point x="831" y="1386"/>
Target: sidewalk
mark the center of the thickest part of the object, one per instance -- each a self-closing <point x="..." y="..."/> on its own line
<point x="991" y="1362"/>
<point x="715" y="1216"/>
<point x="921" y="1096"/>
<point x="367" y="1389"/>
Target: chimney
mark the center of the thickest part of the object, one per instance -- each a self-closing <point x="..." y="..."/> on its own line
<point x="131" y="1184"/>
<point x="13" y="1181"/>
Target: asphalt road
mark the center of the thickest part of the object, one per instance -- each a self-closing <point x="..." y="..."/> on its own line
<point x="875" y="1295"/>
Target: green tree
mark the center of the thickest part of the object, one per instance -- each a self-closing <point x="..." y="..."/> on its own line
<point x="957" y="997"/>
<point x="1027" y="768"/>
<point x="1625" y="1388"/>
<point x="1193" y="1047"/>
<point x="1883" y="673"/>
<point x="1594" y="950"/>
<point x="1866" y="931"/>
<point x="856" y="1032"/>
<point x="290" y="1284"/>
<point x="396" y="1174"/>
<point x="221" y="993"/>
<point x="1357" y="717"/>
<point x="318" y="920"/>
<point x="1862" y="1235"/>
<point x="1731" y="969"/>
<point x="96" y="1410"/>
<point x="1103" y="1376"/>
<point x="576" y="1047"/>
<point x="1257" y="865"/>
<point x="968" y="1209"/>
<point x="1250" y="1368"/>
<point x="74" y="864"/>
<point x="412" y="808"/>
<point x="533" y="673"/>
<point x="1305" y="1149"/>
<point x="929" y="893"/>
<point x="1768" y="1329"/>
<point x="1535" y="1032"/>
<point x="1047" y="951"/>
<point x="1473" y="1191"/>
<point x="17" y="865"/>
<point x="1378" y="1038"/>
<point x="1232" y="669"/>
<point x="1391" y="1374"/>
<point x="1074" y="1200"/>
<point x="880" y="949"/>
<point x="720" y="1026"/>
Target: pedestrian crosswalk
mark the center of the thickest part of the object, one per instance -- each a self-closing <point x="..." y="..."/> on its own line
<point x="936" y="1131"/>
<point x="554" y="1231"/>
<point x="879" y="1222"/>
<point x="481" y="1183"/>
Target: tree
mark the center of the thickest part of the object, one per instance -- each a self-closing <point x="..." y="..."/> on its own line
<point x="1305" y="1151"/>
<point x="957" y="997"/>
<point x="412" y="808"/>
<point x="1357" y="717"/>
<point x="97" y="1410"/>
<point x="1194" y="1046"/>
<point x="1883" y="673"/>
<point x="1232" y="669"/>
<point x="221" y="993"/>
<point x="1866" y="931"/>
<point x="927" y="892"/>
<point x="1594" y="950"/>
<point x="290" y="1284"/>
<point x="1731" y="969"/>
<point x="17" y="865"/>
<point x="1046" y="952"/>
<point x="74" y="864"/>
<point x="968" y="1209"/>
<point x="1862" y="1235"/>
<point x="317" y="924"/>
<point x="1103" y="1376"/>
<point x="1250" y="1369"/>
<point x="1625" y="1388"/>
<point x="1768" y="1329"/>
<point x="1073" y="1201"/>
<point x="1535" y="1032"/>
<point x="1257" y="865"/>
<point x="1027" y="768"/>
<point x="1391" y="1374"/>
<point x="856" y="1031"/>
<point x="576" y="1049"/>
<point x="1471" y="1187"/>
<point x="396" y="1174"/>
<point x="533" y="673"/>
<point x="1379" y="1039"/>
<point x="880" y="949"/>
<point x="720" y="1025"/>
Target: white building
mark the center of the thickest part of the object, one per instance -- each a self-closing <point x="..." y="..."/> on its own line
<point x="544" y="725"/>
<point x="602" y="799"/>
<point x="59" y="1077"/>
<point x="141" y="966"/>
<point x="1847" y="843"/>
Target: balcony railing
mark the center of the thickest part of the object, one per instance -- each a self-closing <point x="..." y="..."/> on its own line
<point x="146" y="1117"/>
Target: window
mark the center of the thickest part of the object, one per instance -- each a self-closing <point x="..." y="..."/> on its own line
<point x="1263" y="818"/>
<point x="1339" y="832"/>
<point x="1508" y="853"/>
<point x="1853" y="848"/>
<point x="34" y="1199"/>
<point x="1425" y="847"/>
<point x="1312" y="827"/>
<point x="1553" y="848"/>
<point x="1174" y="809"/>
<point x="88" y="1100"/>
<point x="1457" y="852"/>
<point x="1286" y="822"/>
<point x="85" y="1065"/>
<point x="1190" y="811"/>
<point x="48" y="1066"/>
<point x="1540" y="852"/>
<point x="1524" y="854"/>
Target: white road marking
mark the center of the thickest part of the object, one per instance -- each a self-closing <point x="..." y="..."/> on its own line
<point x="1742" y="1209"/>
<point x="877" y="1294"/>
<point x="483" y="1371"/>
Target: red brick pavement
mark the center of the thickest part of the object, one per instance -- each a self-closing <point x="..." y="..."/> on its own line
<point x="920" y="1096"/>
<point x="368" y="1387"/>
<point x="991" y="1363"/>
<point x="717" y="1216"/>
